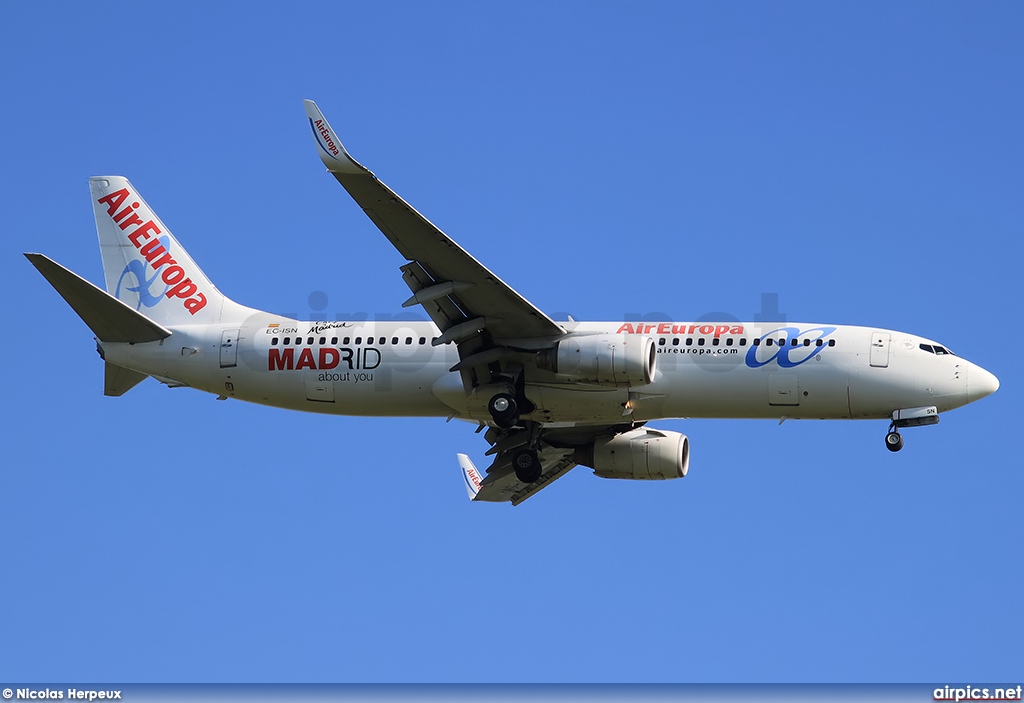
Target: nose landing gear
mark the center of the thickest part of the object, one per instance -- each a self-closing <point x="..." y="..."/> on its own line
<point x="908" y="417"/>
<point x="893" y="440"/>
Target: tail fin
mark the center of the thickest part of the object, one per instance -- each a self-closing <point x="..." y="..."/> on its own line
<point x="143" y="263"/>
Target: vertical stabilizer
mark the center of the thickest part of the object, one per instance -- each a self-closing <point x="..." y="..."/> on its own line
<point x="143" y="263"/>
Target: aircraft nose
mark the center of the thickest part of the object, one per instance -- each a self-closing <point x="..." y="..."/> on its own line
<point x="980" y="383"/>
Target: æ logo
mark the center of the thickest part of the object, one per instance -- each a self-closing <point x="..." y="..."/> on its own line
<point x="778" y="345"/>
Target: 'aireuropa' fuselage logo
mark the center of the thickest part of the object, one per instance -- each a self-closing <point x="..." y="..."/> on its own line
<point x="156" y="253"/>
<point x="787" y="346"/>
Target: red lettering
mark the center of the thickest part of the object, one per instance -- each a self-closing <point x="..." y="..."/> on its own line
<point x="143" y="232"/>
<point x="119" y="216"/>
<point x="625" y="328"/>
<point x="664" y="328"/>
<point x="329" y="357"/>
<point x="173" y="274"/>
<point x="678" y="329"/>
<point x="165" y="259"/>
<point x="738" y="329"/>
<point x="721" y="329"/>
<point x="133" y="220"/>
<point x="152" y="249"/>
<point x="706" y="329"/>
<point x="183" y="289"/>
<point x="114" y="200"/>
<point x="194" y="305"/>
<point x="306" y="359"/>
<point x="281" y="359"/>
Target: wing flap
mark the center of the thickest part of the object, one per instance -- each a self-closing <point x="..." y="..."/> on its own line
<point x="502" y="486"/>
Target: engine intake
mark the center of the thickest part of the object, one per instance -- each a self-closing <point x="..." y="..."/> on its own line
<point x="643" y="454"/>
<point x="612" y="359"/>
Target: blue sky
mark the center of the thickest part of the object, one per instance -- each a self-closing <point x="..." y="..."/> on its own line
<point x="863" y="161"/>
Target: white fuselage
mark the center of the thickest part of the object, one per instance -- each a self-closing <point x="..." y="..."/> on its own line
<point x="721" y="370"/>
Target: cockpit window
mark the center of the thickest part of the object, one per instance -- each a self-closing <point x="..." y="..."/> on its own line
<point x="936" y="349"/>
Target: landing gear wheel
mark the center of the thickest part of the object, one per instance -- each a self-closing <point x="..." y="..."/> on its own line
<point x="894" y="441"/>
<point x="504" y="410"/>
<point x="527" y="465"/>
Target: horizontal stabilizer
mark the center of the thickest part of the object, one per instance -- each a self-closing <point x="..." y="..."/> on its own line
<point x="118" y="381"/>
<point x="108" y="318"/>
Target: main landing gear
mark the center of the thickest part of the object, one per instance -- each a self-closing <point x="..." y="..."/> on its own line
<point x="526" y="464"/>
<point x="504" y="410"/>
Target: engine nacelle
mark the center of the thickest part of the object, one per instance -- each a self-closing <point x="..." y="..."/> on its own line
<point x="613" y="359"/>
<point x="643" y="454"/>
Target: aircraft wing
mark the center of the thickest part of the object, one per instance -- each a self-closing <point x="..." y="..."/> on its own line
<point x="462" y="297"/>
<point x="501" y="484"/>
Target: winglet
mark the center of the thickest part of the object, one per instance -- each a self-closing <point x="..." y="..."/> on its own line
<point x="330" y="148"/>
<point x="470" y="475"/>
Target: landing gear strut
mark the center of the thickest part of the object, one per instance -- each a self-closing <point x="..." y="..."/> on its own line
<point x="527" y="465"/>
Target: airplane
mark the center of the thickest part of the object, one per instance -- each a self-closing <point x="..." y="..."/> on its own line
<point x="547" y="395"/>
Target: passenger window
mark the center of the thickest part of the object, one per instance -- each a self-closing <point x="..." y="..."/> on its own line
<point x="743" y="341"/>
<point x="359" y="340"/>
<point x="287" y="340"/>
<point x="715" y="342"/>
<point x="394" y="340"/>
<point x="675" y="342"/>
<point x="423" y="340"/>
<point x="661" y="342"/>
<point x="298" y="340"/>
<point x="831" y="342"/>
<point x="689" y="341"/>
<point x="793" y="343"/>
<point x="757" y="342"/>
<point x="700" y="342"/>
<point x="807" y="342"/>
<point x="346" y="340"/>
<point x="323" y="340"/>
<point x="768" y="342"/>
<point x="818" y="343"/>
<point x="383" y="340"/>
<point x="309" y="341"/>
<point x="408" y="340"/>
<point x="728" y="342"/>
<point x="334" y="341"/>
<point x="273" y="342"/>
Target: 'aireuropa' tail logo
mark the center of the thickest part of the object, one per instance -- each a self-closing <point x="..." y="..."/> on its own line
<point x="157" y="255"/>
<point x="323" y="137"/>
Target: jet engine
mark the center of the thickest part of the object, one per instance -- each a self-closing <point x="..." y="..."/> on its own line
<point x="643" y="454"/>
<point x="612" y="359"/>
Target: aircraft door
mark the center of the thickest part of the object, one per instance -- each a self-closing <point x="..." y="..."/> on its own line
<point x="880" y="349"/>
<point x="229" y="349"/>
